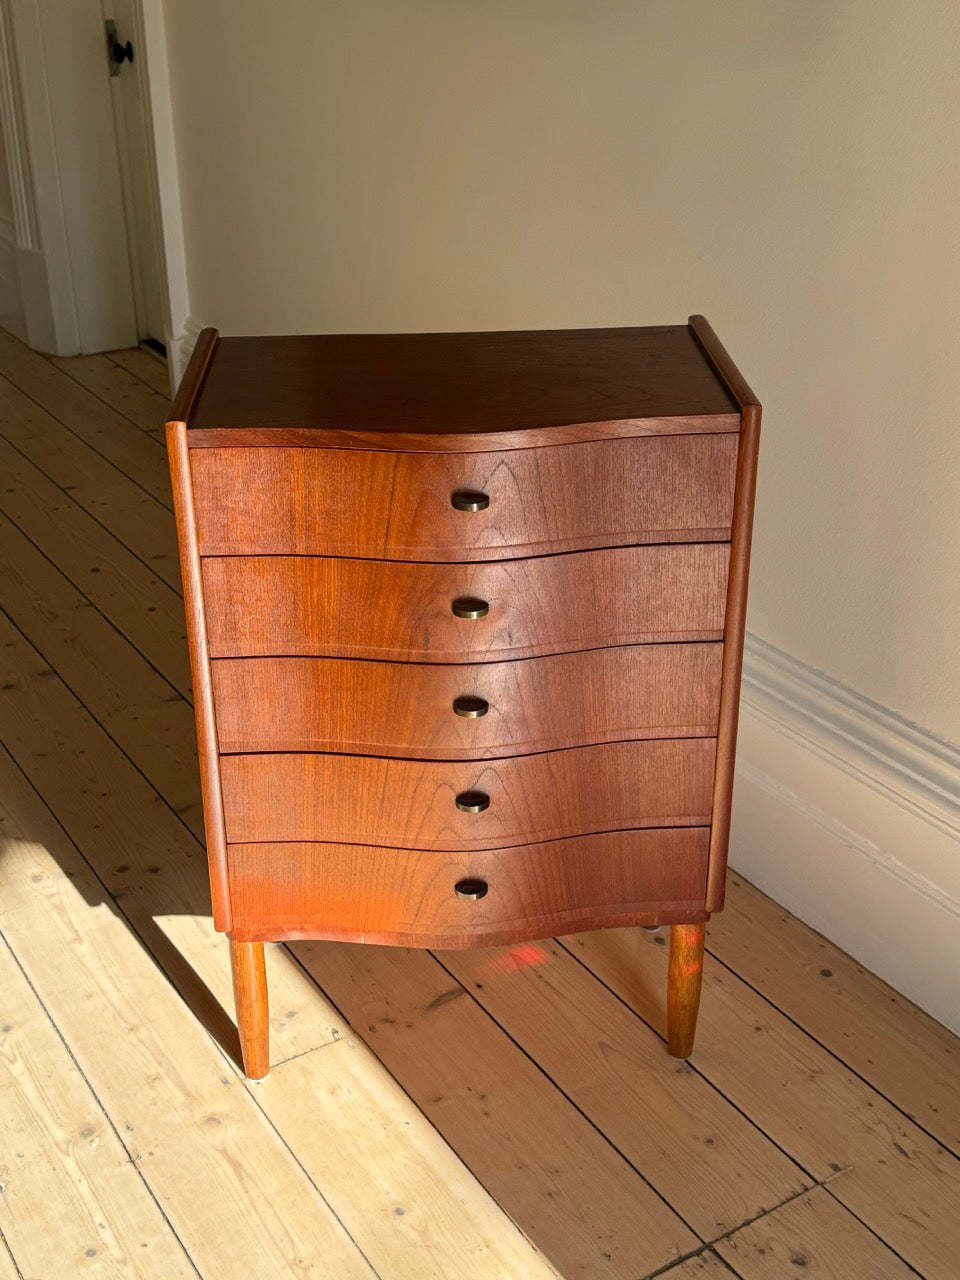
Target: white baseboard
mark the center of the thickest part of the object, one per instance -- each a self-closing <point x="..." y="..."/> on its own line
<point x="849" y="816"/>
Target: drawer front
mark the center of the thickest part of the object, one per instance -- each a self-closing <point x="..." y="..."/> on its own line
<point x="419" y="804"/>
<point x="468" y="711"/>
<point x="299" y="606"/>
<point x="375" y="894"/>
<point x="357" y="502"/>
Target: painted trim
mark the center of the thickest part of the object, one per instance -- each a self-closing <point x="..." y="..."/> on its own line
<point x="903" y="761"/>
<point x="848" y="815"/>
<point x="14" y="136"/>
<point x="168" y="209"/>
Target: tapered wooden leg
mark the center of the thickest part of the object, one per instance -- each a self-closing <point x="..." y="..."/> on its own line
<point x="250" y="994"/>
<point x="683" y="986"/>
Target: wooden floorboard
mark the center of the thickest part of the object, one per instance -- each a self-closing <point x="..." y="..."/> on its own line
<point x="515" y="1104"/>
<point x="813" y="1235"/>
<point x="551" y="1169"/>
<point x="894" y="1176"/>
<point x="857" y="1016"/>
<point x="144" y="366"/>
<point x="60" y="1149"/>
<point x="126" y="394"/>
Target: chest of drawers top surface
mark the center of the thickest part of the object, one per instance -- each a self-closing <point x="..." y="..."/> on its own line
<point x="455" y="390"/>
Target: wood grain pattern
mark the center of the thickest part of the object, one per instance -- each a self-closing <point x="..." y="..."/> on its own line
<point x="894" y="1177"/>
<point x="267" y="437"/>
<point x="876" y="1031"/>
<point x="702" y="1156"/>
<point x="406" y="709"/>
<point x="448" y="384"/>
<point x="72" y="1199"/>
<point x="570" y="1191"/>
<point x="815" y="1236"/>
<point x="199" y="661"/>
<point x="263" y="606"/>
<point x="356" y="893"/>
<point x="684" y="979"/>
<point x="736" y="610"/>
<point x="410" y="803"/>
<point x="397" y="506"/>
<point x="250" y="995"/>
<point x="395" y="1186"/>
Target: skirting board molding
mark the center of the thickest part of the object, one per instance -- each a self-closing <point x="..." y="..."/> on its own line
<point x="849" y="816"/>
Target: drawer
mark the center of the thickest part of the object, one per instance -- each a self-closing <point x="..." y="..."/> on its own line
<point x="417" y="804"/>
<point x="262" y="606"/>
<point x="373" y="894"/>
<point x="388" y="505"/>
<point x="467" y="711"/>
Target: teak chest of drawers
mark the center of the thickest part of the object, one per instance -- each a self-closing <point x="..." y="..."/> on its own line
<point x="465" y="615"/>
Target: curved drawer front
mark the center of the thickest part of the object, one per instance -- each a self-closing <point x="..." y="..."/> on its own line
<point x="289" y="605"/>
<point x="375" y="894"/>
<point x="414" y="803"/>
<point x="506" y="708"/>
<point x="358" y="502"/>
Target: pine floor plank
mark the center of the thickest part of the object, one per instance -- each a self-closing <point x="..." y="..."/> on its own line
<point x="901" y="1183"/>
<point x="149" y="369"/>
<point x="712" y="1165"/>
<point x="146" y="859"/>
<point x="86" y="413"/>
<point x="593" y="1216"/>
<point x="237" y="1201"/>
<point x="814" y="1237"/>
<point x="54" y="397"/>
<point x="705" y="1266"/>
<point x="144" y="714"/>
<point x="58" y="1149"/>
<point x="130" y="512"/>
<point x="876" y="1031"/>
<point x="128" y="395"/>
<point x="146" y="610"/>
<point x="391" y="1178"/>
<point x="8" y="1269"/>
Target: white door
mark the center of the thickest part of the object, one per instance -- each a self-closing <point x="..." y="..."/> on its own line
<point x="91" y="277"/>
<point x="135" y="150"/>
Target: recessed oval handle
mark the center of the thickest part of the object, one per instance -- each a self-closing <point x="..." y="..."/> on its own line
<point x="469" y="607"/>
<point x="472" y="801"/>
<point x="471" y="888"/>
<point x="470" y="707"/>
<point x="469" y="500"/>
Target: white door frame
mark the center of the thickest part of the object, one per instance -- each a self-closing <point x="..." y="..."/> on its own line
<point x="47" y="278"/>
<point x="153" y="67"/>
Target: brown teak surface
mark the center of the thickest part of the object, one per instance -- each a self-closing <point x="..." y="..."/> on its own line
<point x="309" y="890"/>
<point x="262" y="606"/>
<point x="411" y="803"/>
<point x="407" y="709"/>
<point x="397" y="506"/>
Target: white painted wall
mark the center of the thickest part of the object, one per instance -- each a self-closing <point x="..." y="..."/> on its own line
<point x="789" y="168"/>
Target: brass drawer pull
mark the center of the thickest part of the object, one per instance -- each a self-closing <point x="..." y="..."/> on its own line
<point x="470" y="607"/>
<point x="469" y="707"/>
<point x="469" y="500"/>
<point x="472" y="889"/>
<point x="472" y="801"/>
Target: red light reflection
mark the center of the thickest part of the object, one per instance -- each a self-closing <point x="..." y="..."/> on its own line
<point x="525" y="956"/>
